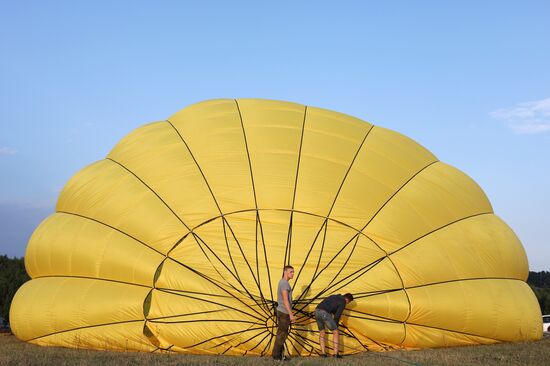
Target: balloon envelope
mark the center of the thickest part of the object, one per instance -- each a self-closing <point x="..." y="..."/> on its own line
<point x="176" y="241"/>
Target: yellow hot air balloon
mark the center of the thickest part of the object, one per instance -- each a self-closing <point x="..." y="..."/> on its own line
<point x="176" y="240"/>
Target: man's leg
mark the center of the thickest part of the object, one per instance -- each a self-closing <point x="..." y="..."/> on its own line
<point x="283" y="322"/>
<point x="322" y="341"/>
<point x="321" y="326"/>
<point x="335" y="334"/>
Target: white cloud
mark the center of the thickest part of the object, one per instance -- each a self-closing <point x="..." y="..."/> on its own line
<point x="4" y="150"/>
<point x="526" y="118"/>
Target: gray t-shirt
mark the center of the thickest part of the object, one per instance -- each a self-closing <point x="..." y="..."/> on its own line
<point x="283" y="285"/>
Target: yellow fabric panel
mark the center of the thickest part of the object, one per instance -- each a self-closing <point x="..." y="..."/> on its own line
<point x="106" y="192"/>
<point x="249" y="252"/>
<point x="309" y="250"/>
<point x="73" y="246"/>
<point x="425" y="337"/>
<point x="349" y="346"/>
<point x="214" y="134"/>
<point x="304" y="248"/>
<point x="356" y="257"/>
<point x="477" y="247"/>
<point x="386" y="162"/>
<point x="180" y="279"/>
<point x="274" y="226"/>
<point x="337" y="256"/>
<point x="185" y="319"/>
<point x="437" y="196"/>
<point x="231" y="339"/>
<point x="171" y="306"/>
<point x="191" y="351"/>
<point x="207" y="252"/>
<point x="378" y="334"/>
<point x="273" y="134"/>
<point x="159" y="157"/>
<point x="371" y="332"/>
<point x="504" y="310"/>
<point x="113" y="337"/>
<point x="331" y="141"/>
<point x="392" y="305"/>
<point x="380" y="276"/>
<point x="45" y="306"/>
<point x="173" y="275"/>
<point x="274" y="229"/>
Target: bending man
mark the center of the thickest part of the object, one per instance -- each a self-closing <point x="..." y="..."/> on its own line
<point x="328" y="313"/>
<point x="284" y="312"/>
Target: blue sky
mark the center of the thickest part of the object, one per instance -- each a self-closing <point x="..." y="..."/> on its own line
<point x="470" y="80"/>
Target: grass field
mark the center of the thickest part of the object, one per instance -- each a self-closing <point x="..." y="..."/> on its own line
<point x="14" y="352"/>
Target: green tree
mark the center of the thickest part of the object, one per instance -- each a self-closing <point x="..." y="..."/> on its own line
<point x="12" y="276"/>
<point x="540" y="284"/>
<point x="539" y="279"/>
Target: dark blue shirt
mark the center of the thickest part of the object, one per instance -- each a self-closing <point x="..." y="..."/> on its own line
<point x="334" y="304"/>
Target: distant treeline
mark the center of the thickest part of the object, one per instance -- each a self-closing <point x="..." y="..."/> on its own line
<point x="540" y="283"/>
<point x="13" y="275"/>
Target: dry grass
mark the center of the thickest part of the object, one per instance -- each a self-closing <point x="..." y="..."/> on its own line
<point x="14" y="352"/>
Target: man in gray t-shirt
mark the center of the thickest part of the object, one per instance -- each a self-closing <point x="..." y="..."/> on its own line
<point x="284" y="312"/>
<point x="284" y="286"/>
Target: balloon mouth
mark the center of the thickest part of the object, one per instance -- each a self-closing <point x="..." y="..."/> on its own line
<point x="236" y="256"/>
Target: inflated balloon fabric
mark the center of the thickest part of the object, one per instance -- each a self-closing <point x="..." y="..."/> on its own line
<point x="176" y="241"/>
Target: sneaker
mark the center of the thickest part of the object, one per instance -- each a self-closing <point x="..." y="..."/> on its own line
<point x="337" y="355"/>
<point x="324" y="355"/>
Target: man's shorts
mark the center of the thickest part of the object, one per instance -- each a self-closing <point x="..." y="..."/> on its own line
<point x="325" y="319"/>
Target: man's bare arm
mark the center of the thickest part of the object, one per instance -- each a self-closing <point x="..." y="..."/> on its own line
<point x="286" y="304"/>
